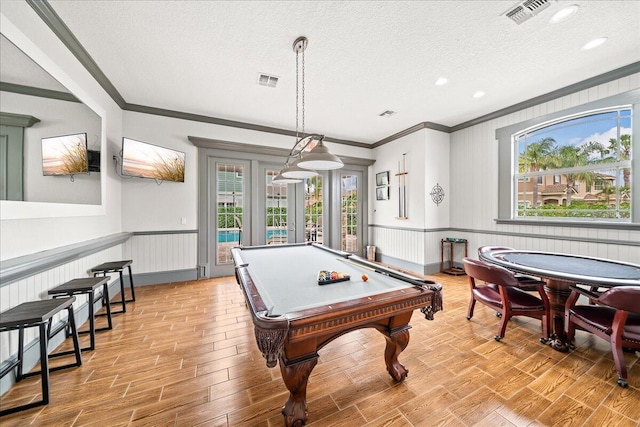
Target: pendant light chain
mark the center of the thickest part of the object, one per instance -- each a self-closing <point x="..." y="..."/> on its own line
<point x="316" y="155"/>
<point x="303" y="92"/>
<point x="297" y="96"/>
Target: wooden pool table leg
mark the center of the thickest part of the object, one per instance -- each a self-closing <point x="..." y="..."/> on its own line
<point x="397" y="341"/>
<point x="295" y="376"/>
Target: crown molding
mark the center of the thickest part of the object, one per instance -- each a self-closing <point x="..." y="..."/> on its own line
<point x="19" y="120"/>
<point x="218" y="144"/>
<point x="60" y="29"/>
<point x="36" y="91"/>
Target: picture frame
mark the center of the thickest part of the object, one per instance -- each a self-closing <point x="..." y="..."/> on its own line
<point x="382" y="193"/>
<point x="382" y="178"/>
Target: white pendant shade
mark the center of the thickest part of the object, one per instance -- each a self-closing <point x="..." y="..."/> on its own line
<point x="296" y="172"/>
<point x="320" y="158"/>
<point x="281" y="180"/>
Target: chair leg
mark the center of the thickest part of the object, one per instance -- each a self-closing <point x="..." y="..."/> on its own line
<point x="44" y="363"/>
<point x="617" y="327"/>
<point x="503" y="327"/>
<point x="133" y="293"/>
<point x="74" y="335"/>
<point x="123" y="297"/>
<point x="472" y="304"/>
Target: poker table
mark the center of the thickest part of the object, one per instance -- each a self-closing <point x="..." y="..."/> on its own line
<point x="559" y="270"/>
<point x="295" y="315"/>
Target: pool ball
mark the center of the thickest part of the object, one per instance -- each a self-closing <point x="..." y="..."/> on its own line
<point x="365" y="277"/>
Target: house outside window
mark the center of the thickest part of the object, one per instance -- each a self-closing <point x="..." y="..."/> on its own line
<point x="552" y="158"/>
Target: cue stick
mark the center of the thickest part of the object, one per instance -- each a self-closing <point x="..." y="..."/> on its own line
<point x="404" y="185"/>
<point x="424" y="284"/>
<point x="348" y="261"/>
<point x="399" y="191"/>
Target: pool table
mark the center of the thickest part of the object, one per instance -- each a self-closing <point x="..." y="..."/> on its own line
<point x="294" y="316"/>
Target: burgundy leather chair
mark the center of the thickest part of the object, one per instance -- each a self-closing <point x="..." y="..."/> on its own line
<point x="614" y="317"/>
<point x="500" y="291"/>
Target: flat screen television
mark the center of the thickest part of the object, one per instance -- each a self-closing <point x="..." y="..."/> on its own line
<point x="65" y="155"/>
<point x="145" y="160"/>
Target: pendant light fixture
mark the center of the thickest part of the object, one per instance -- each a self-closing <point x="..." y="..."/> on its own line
<point x="308" y="153"/>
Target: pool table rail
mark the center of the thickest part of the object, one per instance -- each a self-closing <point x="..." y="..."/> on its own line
<point x="270" y="331"/>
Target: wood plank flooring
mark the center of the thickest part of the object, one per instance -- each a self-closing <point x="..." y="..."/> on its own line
<point x="184" y="354"/>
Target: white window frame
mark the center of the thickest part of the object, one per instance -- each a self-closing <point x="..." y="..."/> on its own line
<point x="504" y="136"/>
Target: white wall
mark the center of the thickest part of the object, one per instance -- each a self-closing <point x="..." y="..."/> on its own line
<point x="474" y="178"/>
<point x="438" y="169"/>
<point x="427" y="164"/>
<point x="45" y="228"/>
<point x="147" y="206"/>
<point x="389" y="157"/>
<point x="465" y="164"/>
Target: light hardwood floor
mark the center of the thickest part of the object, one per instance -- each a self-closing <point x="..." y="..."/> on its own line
<point x="184" y="354"/>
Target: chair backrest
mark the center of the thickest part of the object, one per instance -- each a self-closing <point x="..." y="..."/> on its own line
<point x="623" y="298"/>
<point x="488" y="272"/>
<point x="484" y="249"/>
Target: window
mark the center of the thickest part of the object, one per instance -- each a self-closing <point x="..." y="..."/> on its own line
<point x="592" y="148"/>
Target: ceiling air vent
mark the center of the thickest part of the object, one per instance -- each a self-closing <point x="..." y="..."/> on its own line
<point x="526" y="10"/>
<point x="267" y="80"/>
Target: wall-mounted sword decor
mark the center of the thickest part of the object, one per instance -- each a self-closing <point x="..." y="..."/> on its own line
<point x="402" y="188"/>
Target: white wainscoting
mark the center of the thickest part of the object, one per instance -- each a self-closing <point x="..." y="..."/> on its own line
<point x="422" y="247"/>
<point x="162" y="252"/>
<point x="407" y="245"/>
<point x="36" y="287"/>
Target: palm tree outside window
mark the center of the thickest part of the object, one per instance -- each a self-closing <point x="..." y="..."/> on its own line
<point x="551" y="160"/>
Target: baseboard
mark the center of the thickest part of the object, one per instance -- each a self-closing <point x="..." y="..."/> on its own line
<point x="410" y="266"/>
<point x="156" y="278"/>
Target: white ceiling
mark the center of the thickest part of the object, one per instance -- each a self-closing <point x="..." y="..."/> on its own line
<point x="364" y="57"/>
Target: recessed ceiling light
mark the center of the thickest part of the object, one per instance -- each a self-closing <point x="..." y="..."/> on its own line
<point x="564" y="14"/>
<point x="478" y="94"/>
<point x="594" y="43"/>
<point x="441" y="81"/>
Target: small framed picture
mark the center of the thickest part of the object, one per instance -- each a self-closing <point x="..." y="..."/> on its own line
<point x="382" y="193"/>
<point x="382" y="178"/>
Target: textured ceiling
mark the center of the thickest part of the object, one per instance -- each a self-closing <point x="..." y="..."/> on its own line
<point x="364" y="57"/>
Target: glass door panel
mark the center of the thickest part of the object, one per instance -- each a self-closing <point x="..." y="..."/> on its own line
<point x="313" y="209"/>
<point x="276" y="201"/>
<point x="230" y="209"/>
<point x="349" y="208"/>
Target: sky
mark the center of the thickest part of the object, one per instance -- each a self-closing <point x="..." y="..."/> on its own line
<point x="599" y="128"/>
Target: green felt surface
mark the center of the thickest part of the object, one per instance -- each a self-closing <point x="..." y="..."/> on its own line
<point x="286" y="278"/>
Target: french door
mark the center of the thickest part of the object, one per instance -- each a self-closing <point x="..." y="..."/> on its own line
<point x="245" y="207"/>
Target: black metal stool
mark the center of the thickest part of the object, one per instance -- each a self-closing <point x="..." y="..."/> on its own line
<point x="113" y="267"/>
<point x="39" y="313"/>
<point x="89" y="286"/>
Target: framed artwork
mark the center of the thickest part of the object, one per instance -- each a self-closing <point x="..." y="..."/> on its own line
<point x="382" y="193"/>
<point x="382" y="178"/>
